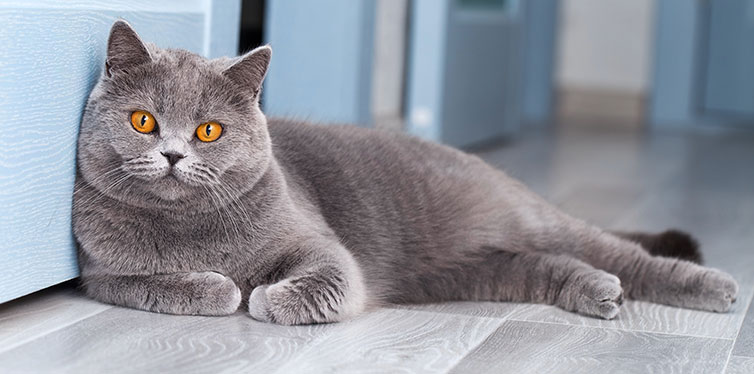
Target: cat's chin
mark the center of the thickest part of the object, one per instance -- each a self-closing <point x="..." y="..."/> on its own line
<point x="170" y="188"/>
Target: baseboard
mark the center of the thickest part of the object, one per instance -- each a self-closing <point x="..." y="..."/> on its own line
<point x="600" y="107"/>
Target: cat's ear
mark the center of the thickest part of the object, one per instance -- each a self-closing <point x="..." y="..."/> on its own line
<point x="250" y="69"/>
<point x="124" y="48"/>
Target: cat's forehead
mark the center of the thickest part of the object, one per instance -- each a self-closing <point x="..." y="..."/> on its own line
<point x="186" y="66"/>
<point x="178" y="80"/>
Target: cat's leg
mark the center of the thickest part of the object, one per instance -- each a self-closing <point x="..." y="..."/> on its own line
<point x="645" y="277"/>
<point x="535" y="277"/>
<point x="197" y="293"/>
<point x="321" y="283"/>
<point x="669" y="243"/>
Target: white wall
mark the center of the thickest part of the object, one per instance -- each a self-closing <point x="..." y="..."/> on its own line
<point x="605" y="44"/>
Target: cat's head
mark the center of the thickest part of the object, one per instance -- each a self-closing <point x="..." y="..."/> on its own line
<point x="168" y="128"/>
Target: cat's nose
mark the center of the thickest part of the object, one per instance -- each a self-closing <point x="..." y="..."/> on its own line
<point x="173" y="157"/>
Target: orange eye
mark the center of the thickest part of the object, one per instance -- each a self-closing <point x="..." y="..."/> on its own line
<point x="143" y="121"/>
<point x="209" y="132"/>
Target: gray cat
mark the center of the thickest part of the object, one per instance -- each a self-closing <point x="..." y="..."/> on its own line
<point x="189" y="201"/>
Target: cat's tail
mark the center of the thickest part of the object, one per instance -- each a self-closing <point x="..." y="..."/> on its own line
<point x="670" y="243"/>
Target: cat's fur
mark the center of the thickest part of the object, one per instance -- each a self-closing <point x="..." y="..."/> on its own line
<point x="311" y="224"/>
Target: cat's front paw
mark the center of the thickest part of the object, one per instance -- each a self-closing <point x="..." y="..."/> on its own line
<point x="595" y="293"/>
<point x="214" y="294"/>
<point x="259" y="306"/>
<point x="279" y="303"/>
<point x="711" y="290"/>
<point x="300" y="301"/>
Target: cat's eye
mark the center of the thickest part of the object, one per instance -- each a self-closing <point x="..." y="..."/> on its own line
<point x="143" y="121"/>
<point x="209" y="132"/>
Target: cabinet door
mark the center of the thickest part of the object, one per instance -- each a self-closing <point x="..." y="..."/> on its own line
<point x="52" y="54"/>
<point x="730" y="60"/>
<point x="465" y="69"/>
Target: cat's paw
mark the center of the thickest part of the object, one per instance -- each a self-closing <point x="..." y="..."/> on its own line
<point x="259" y="306"/>
<point x="711" y="290"/>
<point x="280" y="303"/>
<point x="596" y="293"/>
<point x="214" y="294"/>
<point x="300" y="301"/>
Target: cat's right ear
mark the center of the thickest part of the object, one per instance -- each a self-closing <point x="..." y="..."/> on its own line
<point x="124" y="49"/>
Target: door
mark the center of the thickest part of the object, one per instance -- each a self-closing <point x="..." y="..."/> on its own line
<point x="52" y="54"/>
<point x="729" y="82"/>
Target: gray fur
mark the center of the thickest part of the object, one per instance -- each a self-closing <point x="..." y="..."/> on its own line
<point x="310" y="224"/>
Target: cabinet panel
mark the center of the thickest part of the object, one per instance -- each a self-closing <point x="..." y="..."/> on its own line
<point x="52" y="54"/>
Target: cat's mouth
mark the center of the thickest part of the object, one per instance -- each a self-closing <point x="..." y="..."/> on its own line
<point x="171" y="177"/>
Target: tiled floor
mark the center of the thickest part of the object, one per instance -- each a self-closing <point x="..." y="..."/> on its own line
<point x="703" y="183"/>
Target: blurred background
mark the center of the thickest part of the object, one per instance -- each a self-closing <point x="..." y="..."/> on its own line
<point x="629" y="114"/>
<point x="468" y="71"/>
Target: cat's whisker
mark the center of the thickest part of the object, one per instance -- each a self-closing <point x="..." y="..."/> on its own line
<point x="230" y="214"/>
<point x="139" y="161"/>
<point x="235" y="200"/>
<point x="217" y="207"/>
<point x="107" y="189"/>
<point x="101" y="177"/>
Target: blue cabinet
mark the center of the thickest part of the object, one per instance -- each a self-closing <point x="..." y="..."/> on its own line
<point x="703" y="58"/>
<point x="465" y="70"/>
<point x="51" y="54"/>
<point x="322" y="56"/>
<point x="729" y="83"/>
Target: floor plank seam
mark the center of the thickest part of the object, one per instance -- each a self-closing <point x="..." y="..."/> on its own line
<point x="738" y="332"/>
<point x="622" y="329"/>
<point x="11" y="347"/>
<point x="479" y="344"/>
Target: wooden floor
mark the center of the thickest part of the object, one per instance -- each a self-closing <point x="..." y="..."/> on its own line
<point x="703" y="183"/>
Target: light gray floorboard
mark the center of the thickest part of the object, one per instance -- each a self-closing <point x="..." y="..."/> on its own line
<point x="468" y="308"/>
<point x="740" y="365"/>
<point x="525" y="347"/>
<point x="392" y="341"/>
<point x="745" y="342"/>
<point x="122" y="340"/>
<point x="601" y="204"/>
<point x="33" y="316"/>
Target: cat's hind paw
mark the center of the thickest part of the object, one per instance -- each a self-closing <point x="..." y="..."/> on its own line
<point x="713" y="291"/>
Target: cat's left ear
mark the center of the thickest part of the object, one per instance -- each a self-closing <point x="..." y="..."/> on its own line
<point x="250" y="69"/>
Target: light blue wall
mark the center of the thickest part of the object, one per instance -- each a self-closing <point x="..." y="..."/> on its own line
<point x="321" y="66"/>
<point x="50" y="57"/>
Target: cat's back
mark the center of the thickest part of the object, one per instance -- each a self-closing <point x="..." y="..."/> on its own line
<point x="379" y="154"/>
<point x="379" y="179"/>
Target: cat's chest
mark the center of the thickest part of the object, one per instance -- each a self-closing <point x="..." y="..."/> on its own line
<point x="153" y="243"/>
